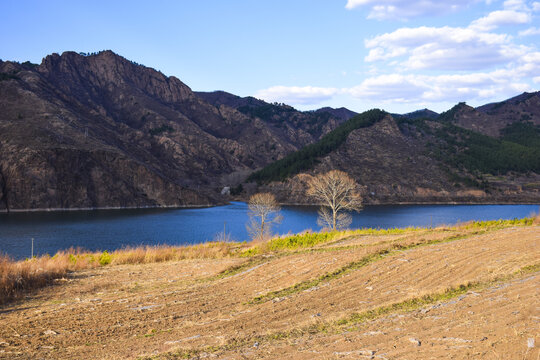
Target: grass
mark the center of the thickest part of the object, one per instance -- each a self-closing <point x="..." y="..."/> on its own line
<point x="310" y="239"/>
<point x="19" y="277"/>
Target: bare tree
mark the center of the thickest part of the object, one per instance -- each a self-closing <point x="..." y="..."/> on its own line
<point x="263" y="212"/>
<point x="338" y="193"/>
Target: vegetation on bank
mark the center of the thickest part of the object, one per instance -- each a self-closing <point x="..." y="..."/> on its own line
<point x="19" y="277"/>
<point x="308" y="156"/>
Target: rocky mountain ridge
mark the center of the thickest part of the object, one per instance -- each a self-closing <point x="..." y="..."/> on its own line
<point x="91" y="131"/>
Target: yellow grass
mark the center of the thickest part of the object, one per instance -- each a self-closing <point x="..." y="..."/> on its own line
<point x="18" y="277"/>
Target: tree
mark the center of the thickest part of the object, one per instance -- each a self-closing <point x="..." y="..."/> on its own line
<point x="263" y="212"/>
<point x="338" y="193"/>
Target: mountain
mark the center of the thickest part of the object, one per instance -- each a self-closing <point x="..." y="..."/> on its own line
<point x="97" y="130"/>
<point x="340" y="113"/>
<point x="492" y="118"/>
<point x="401" y="159"/>
<point x="87" y="131"/>
<point x="298" y="127"/>
<point x="418" y="114"/>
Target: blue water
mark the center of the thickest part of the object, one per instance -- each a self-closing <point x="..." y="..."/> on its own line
<point x="113" y="229"/>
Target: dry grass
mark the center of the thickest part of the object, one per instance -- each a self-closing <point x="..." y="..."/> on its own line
<point x="19" y="277"/>
<point x="153" y="254"/>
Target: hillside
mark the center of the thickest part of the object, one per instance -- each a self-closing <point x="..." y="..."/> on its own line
<point x="402" y="159"/>
<point x="97" y="130"/>
<point x="457" y="292"/>
<point x="491" y="119"/>
<point x="301" y="127"/>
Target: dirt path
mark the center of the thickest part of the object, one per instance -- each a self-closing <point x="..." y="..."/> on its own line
<point x="165" y="309"/>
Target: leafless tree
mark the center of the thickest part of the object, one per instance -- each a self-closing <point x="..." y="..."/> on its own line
<point x="263" y="212"/>
<point x="338" y="194"/>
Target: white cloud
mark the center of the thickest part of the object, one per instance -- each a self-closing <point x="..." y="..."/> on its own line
<point x="515" y="5"/>
<point x="444" y="48"/>
<point x="424" y="89"/>
<point x="499" y="18"/>
<point x="297" y="95"/>
<point x="406" y="9"/>
<point x="417" y="88"/>
<point x="530" y="31"/>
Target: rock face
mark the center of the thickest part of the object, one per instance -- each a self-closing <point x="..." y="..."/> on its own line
<point x="93" y="131"/>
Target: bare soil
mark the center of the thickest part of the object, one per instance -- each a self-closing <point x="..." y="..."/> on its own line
<point x="187" y="309"/>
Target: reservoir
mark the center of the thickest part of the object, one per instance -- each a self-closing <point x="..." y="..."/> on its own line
<point x="98" y="230"/>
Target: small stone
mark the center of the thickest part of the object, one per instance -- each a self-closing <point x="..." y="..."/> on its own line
<point x="50" y="332"/>
<point x="530" y="343"/>
<point x="415" y="341"/>
<point x="369" y="288"/>
<point x="256" y="345"/>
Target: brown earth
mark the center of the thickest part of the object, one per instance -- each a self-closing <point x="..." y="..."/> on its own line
<point x="187" y="309"/>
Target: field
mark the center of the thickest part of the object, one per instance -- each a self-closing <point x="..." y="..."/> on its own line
<point x="464" y="292"/>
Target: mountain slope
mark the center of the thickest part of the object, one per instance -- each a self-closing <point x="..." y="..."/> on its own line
<point x="414" y="160"/>
<point x="101" y="131"/>
<point x="491" y="119"/>
<point x="297" y="127"/>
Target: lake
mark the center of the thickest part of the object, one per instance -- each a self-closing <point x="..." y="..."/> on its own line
<point x="113" y="229"/>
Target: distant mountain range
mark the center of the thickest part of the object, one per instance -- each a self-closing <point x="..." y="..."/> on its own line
<point x="95" y="131"/>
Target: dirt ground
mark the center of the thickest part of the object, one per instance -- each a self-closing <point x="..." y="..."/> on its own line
<point x="187" y="309"/>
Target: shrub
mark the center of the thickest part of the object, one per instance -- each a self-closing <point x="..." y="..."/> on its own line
<point x="105" y="258"/>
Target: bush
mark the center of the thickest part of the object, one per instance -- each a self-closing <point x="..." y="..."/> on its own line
<point x="105" y="258"/>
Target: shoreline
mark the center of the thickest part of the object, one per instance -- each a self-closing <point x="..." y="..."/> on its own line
<point x="165" y="207"/>
<point x="202" y="206"/>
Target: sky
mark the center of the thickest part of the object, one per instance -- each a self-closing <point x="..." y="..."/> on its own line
<point x="397" y="55"/>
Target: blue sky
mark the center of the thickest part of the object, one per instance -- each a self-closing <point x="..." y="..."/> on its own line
<point x="393" y="54"/>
